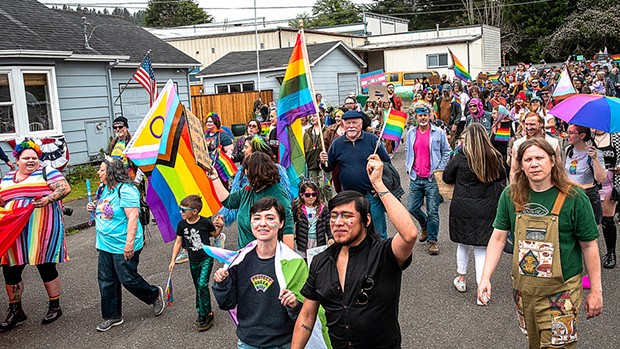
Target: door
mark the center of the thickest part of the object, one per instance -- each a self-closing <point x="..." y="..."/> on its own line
<point x="97" y="137"/>
<point x="347" y="83"/>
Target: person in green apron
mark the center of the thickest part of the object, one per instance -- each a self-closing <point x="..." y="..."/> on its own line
<point x="554" y="230"/>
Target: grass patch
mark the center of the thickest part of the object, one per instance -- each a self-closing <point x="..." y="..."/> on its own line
<point x="77" y="176"/>
<point x="72" y="232"/>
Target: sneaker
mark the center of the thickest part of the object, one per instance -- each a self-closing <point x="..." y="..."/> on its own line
<point x="206" y="323"/>
<point x="432" y="248"/>
<point x="199" y="319"/>
<point x="108" y="324"/>
<point x="181" y="257"/>
<point x="159" y="305"/>
<point x="423" y="235"/>
<point x="460" y="286"/>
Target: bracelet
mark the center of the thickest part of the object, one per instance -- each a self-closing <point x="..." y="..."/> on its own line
<point x="383" y="193"/>
<point x="213" y="178"/>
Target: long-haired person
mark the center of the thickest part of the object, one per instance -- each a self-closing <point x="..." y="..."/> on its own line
<point x="609" y="145"/>
<point x="311" y="218"/>
<point x="479" y="176"/>
<point x="554" y="230"/>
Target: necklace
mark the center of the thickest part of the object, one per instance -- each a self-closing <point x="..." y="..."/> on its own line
<point x="600" y="137"/>
<point x="16" y="180"/>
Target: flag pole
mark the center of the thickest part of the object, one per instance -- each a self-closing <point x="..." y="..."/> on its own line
<point x="311" y="83"/>
<point x="382" y="130"/>
<point x="131" y="77"/>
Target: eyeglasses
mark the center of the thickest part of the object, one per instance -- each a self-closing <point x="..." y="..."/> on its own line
<point x="117" y="127"/>
<point x="344" y="215"/>
<point x="208" y="122"/>
<point x="349" y="103"/>
<point x="573" y="133"/>
<point x="311" y="195"/>
<point x="362" y="296"/>
<point x="185" y="209"/>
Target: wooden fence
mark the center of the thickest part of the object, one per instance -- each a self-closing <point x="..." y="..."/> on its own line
<point x="233" y="108"/>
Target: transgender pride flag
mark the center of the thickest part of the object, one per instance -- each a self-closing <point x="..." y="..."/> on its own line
<point x="294" y="102"/>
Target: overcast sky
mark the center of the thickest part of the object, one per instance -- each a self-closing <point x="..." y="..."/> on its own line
<point x="234" y="13"/>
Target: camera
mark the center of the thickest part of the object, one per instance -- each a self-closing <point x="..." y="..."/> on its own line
<point x="67" y="211"/>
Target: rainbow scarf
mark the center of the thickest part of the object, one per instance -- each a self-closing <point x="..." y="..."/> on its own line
<point x="394" y="125"/>
<point x="225" y="167"/>
<point x="459" y="69"/>
<point x="295" y="101"/>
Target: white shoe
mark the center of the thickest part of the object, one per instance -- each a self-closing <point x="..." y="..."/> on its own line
<point x="460" y="286"/>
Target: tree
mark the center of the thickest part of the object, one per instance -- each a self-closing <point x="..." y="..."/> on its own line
<point x="593" y="25"/>
<point x="330" y="12"/>
<point x="173" y="13"/>
<point x="422" y="14"/>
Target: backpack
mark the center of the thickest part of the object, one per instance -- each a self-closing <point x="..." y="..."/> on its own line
<point x="144" y="214"/>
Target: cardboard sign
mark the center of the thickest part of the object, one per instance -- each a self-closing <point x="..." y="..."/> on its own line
<point x="434" y="79"/>
<point x="378" y="93"/>
<point x="197" y="137"/>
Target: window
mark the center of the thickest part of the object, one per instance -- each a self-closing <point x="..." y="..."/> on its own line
<point x="28" y="102"/>
<point x="437" y="60"/>
<point x="235" y="87"/>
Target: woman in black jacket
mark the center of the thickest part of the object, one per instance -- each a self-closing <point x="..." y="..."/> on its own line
<point x="479" y="177"/>
<point x="311" y="219"/>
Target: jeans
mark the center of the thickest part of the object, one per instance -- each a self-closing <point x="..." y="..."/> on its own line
<point x="115" y="271"/>
<point x="201" y="272"/>
<point x="429" y="220"/>
<point x="241" y="345"/>
<point x="377" y="216"/>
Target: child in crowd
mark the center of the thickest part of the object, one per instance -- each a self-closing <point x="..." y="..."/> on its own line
<point x="196" y="231"/>
<point x="311" y="219"/>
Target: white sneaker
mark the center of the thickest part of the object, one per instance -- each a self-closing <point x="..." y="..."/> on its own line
<point x="460" y="286"/>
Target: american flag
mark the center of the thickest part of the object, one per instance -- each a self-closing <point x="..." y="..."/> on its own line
<point x="145" y="76"/>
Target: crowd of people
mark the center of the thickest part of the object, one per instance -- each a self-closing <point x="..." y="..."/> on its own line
<point x="525" y="183"/>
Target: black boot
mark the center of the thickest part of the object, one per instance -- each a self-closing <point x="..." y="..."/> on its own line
<point x="610" y="259"/>
<point x="53" y="313"/>
<point x="15" y="317"/>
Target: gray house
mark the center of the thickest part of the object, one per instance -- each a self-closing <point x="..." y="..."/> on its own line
<point x="335" y="71"/>
<point x="61" y="73"/>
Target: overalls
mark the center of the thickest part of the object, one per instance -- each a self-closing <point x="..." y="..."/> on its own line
<point x="546" y="304"/>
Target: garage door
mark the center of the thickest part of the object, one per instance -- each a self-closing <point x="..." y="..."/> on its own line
<point x="347" y="83"/>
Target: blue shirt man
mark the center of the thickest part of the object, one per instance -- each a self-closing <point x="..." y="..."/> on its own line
<point x="430" y="144"/>
<point x="351" y="152"/>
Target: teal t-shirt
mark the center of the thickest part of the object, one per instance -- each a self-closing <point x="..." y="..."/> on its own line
<point x="243" y="199"/>
<point x="576" y="222"/>
<point x="111" y="220"/>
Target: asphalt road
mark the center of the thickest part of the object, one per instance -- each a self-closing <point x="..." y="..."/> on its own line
<point x="432" y="313"/>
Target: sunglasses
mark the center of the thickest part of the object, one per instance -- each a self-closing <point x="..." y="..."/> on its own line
<point x="252" y="126"/>
<point x="117" y="127"/>
<point x="185" y="209"/>
<point x="473" y="107"/>
<point x="362" y="296"/>
<point x="311" y="195"/>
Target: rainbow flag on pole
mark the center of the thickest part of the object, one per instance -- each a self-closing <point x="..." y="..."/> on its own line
<point x="394" y="125"/>
<point x="294" y="102"/>
<point x="615" y="58"/>
<point x="169" y="292"/>
<point x="459" y="69"/>
<point x="225" y="167"/>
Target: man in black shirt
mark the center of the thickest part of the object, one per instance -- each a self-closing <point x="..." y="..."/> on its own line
<point x="357" y="280"/>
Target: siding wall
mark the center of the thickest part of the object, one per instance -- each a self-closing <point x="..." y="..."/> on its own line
<point x="491" y="47"/>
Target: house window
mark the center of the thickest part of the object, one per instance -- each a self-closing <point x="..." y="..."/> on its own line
<point x="438" y="60"/>
<point x="28" y="102"/>
<point x="235" y="87"/>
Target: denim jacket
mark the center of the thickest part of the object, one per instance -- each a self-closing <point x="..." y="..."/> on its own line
<point x="440" y="150"/>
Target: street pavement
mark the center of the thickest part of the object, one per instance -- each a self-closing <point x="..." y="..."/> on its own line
<point x="432" y="313"/>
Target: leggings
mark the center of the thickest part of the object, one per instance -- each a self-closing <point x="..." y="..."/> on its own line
<point x="462" y="259"/>
<point x="13" y="275"/>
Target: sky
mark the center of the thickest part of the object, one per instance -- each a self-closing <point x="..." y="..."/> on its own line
<point x="234" y="12"/>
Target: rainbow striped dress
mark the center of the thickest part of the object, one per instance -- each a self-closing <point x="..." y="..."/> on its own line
<point x="43" y="238"/>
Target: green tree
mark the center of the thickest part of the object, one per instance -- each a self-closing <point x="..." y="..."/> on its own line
<point x="173" y="13"/>
<point x="330" y="12"/>
<point x="422" y="14"/>
<point x="593" y="25"/>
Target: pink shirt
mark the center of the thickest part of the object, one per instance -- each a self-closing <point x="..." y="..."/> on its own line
<point x="422" y="151"/>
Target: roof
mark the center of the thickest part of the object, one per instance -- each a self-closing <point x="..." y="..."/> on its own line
<point x="380" y="46"/>
<point x="241" y="62"/>
<point x="31" y="28"/>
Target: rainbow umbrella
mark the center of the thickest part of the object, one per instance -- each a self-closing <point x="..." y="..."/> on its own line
<point x="594" y="111"/>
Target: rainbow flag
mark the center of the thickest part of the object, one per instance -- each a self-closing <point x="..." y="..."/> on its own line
<point x="615" y="58"/>
<point x="265" y="127"/>
<point x="176" y="175"/>
<point x="394" y="125"/>
<point x="224" y="165"/>
<point x="169" y="293"/>
<point x="502" y="134"/>
<point x="494" y="79"/>
<point x="294" y="102"/>
<point x="12" y="223"/>
<point x="459" y="69"/>
<point x="144" y="145"/>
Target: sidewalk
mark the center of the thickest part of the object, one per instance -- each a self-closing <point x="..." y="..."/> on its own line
<point x="79" y="218"/>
